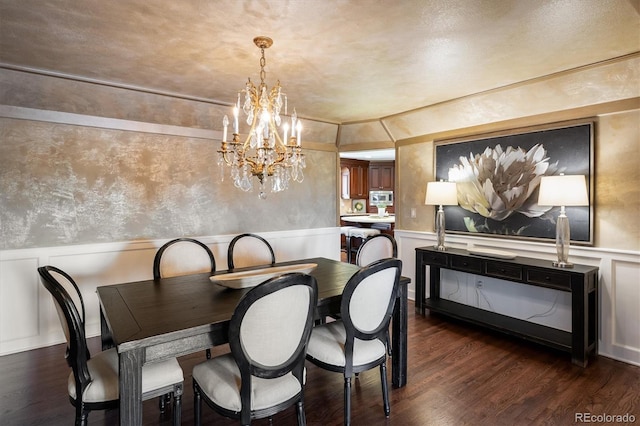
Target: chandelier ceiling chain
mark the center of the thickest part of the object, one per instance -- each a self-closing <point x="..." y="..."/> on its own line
<point x="264" y="154"/>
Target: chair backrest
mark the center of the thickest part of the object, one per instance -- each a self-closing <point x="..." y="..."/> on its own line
<point x="183" y="256"/>
<point x="367" y="302"/>
<point x="376" y="247"/>
<point x="249" y="250"/>
<point x="67" y="298"/>
<point x="270" y="329"/>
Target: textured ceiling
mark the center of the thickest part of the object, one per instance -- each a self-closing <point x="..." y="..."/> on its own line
<point x="338" y="61"/>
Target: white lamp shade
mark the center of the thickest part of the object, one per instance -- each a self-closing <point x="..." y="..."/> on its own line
<point x="563" y="190"/>
<point x="441" y="194"/>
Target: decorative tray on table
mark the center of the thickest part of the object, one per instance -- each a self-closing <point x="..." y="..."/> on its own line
<point x="245" y="279"/>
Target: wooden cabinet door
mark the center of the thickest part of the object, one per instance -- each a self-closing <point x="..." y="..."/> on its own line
<point x="381" y="177"/>
<point x="359" y="181"/>
<point x="354" y="178"/>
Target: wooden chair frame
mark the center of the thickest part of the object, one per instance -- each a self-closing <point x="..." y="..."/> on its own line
<point x="249" y="368"/>
<point x="232" y="244"/>
<point x="78" y="352"/>
<point x="381" y="333"/>
<point x="158" y="257"/>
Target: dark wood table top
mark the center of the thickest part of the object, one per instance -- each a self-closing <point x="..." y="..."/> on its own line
<point x="144" y="313"/>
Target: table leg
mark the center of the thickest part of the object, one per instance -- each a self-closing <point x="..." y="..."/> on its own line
<point x="420" y="284"/>
<point x="579" y="328"/>
<point x="399" y="339"/>
<point x="130" y="382"/>
<point x="105" y="333"/>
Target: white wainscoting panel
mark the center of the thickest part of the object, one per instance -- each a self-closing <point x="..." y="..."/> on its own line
<point x="618" y="288"/>
<point x="28" y="319"/>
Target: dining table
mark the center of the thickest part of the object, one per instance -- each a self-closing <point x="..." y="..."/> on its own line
<point x="153" y="320"/>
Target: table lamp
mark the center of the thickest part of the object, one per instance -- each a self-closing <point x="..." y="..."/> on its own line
<point x="563" y="190"/>
<point x="441" y="194"/>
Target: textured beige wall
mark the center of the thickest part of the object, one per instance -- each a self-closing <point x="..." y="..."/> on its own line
<point x="609" y="93"/>
<point x="617" y="203"/>
<point x="64" y="184"/>
<point x="594" y="85"/>
<point x="617" y="182"/>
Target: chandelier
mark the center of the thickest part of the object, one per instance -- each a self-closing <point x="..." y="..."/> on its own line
<point x="273" y="159"/>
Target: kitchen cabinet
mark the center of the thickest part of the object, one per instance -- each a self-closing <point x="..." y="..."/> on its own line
<point x="381" y="176"/>
<point x="358" y="177"/>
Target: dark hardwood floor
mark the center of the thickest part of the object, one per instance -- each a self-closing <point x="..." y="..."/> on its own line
<point x="458" y="374"/>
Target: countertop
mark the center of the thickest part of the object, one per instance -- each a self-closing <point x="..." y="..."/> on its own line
<point x="369" y="218"/>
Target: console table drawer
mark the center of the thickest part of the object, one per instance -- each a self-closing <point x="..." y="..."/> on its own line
<point x="435" y="259"/>
<point x="549" y="279"/>
<point x="466" y="264"/>
<point x="505" y="271"/>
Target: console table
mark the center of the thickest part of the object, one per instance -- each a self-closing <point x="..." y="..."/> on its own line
<point x="581" y="281"/>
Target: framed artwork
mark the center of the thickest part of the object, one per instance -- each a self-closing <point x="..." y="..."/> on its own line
<point x="498" y="176"/>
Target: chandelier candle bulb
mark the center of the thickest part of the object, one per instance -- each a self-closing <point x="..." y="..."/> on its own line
<point x="286" y="131"/>
<point x="299" y="131"/>
<point x="294" y="118"/>
<point x="235" y="119"/>
<point x="225" y="124"/>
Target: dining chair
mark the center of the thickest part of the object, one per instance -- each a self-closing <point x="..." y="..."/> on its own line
<point x="376" y="247"/>
<point x="355" y="238"/>
<point x="183" y="256"/>
<point x="249" y="250"/>
<point x="357" y="341"/>
<point x="268" y="334"/>
<point x="93" y="383"/>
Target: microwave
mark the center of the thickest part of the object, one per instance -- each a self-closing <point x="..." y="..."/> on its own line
<point x="380" y="197"/>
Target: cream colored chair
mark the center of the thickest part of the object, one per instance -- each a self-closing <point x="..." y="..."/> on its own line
<point x="268" y="335"/>
<point x="93" y="382"/>
<point x="183" y="256"/>
<point x="357" y="341"/>
<point x="249" y="250"/>
<point x="359" y="234"/>
<point x="376" y="247"/>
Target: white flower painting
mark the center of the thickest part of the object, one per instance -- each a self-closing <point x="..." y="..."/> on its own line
<point x="497" y="179"/>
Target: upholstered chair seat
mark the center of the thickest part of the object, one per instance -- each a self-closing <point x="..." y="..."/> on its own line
<point x="327" y="346"/>
<point x="268" y="335"/>
<point x="103" y="369"/>
<point x="219" y="379"/>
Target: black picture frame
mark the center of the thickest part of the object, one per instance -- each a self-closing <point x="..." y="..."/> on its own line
<point x="564" y="147"/>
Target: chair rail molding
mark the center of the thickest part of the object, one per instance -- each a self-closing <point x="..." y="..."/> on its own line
<point x="28" y="319"/>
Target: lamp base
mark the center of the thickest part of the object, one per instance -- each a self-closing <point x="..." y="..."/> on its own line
<point x="440" y="248"/>
<point x="559" y="264"/>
